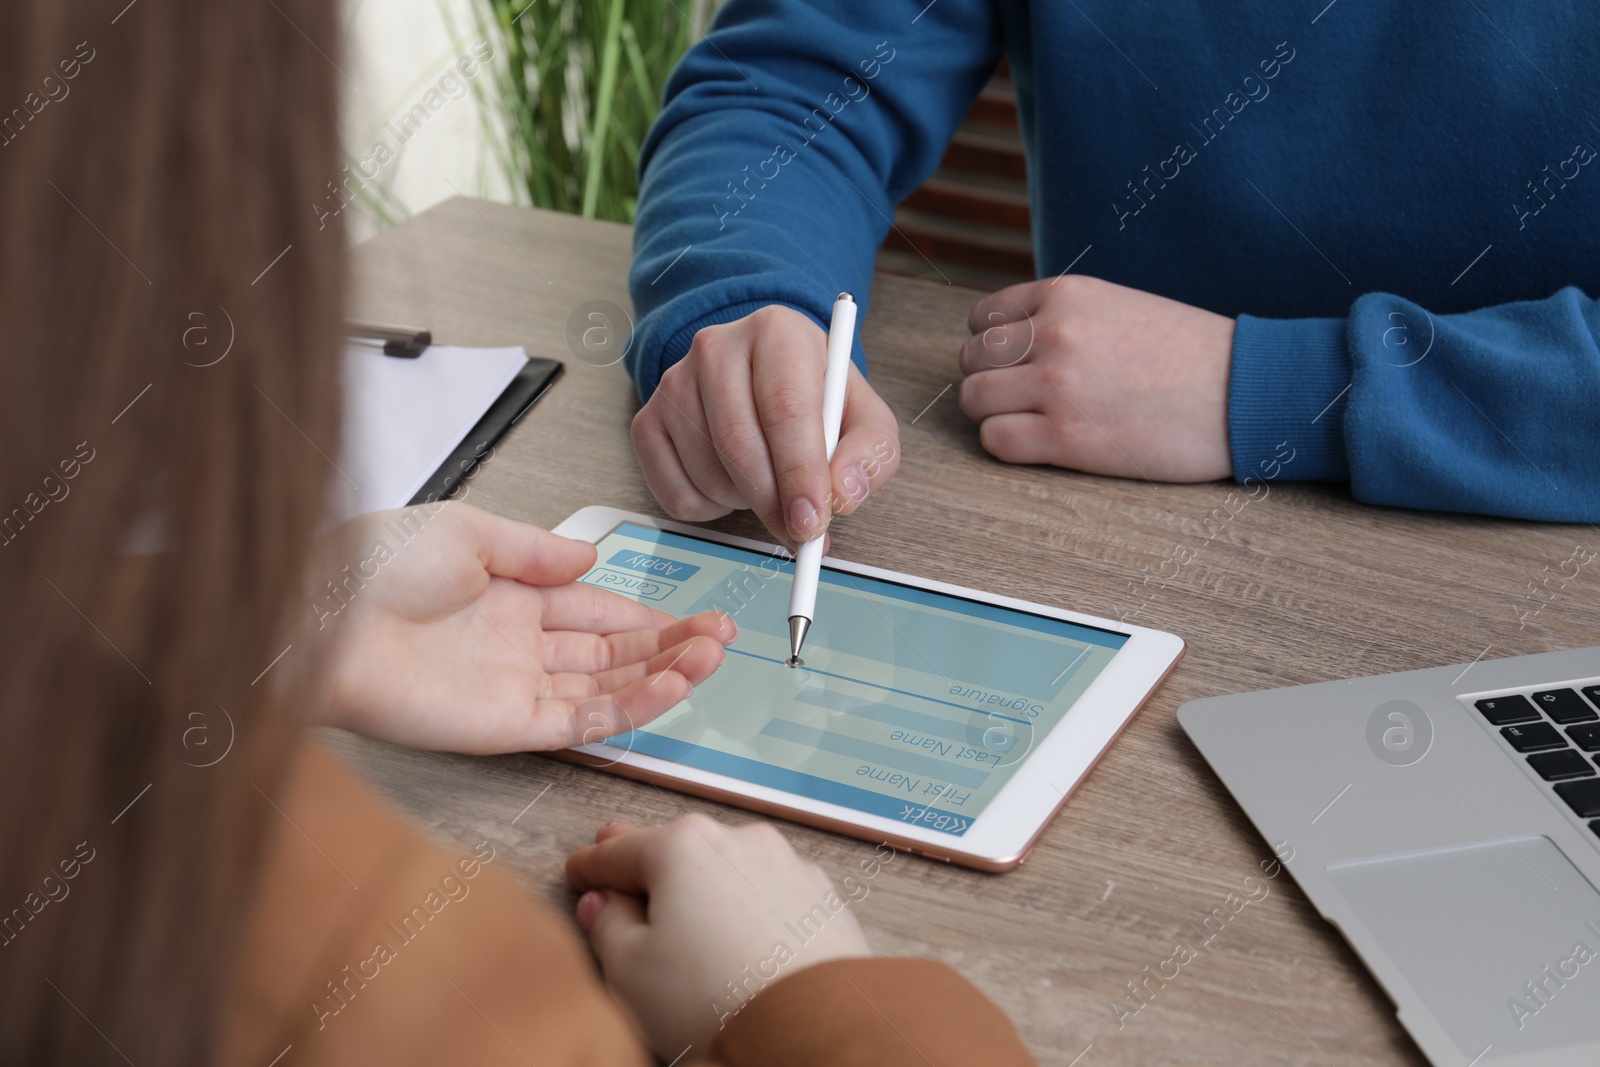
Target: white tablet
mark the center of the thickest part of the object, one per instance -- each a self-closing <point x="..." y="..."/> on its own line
<point x="942" y="720"/>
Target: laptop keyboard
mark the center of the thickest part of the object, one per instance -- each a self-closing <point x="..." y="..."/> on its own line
<point x="1558" y="732"/>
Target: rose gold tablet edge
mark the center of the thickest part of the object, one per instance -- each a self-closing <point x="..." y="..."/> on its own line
<point x="1012" y="863"/>
<point x="774" y="810"/>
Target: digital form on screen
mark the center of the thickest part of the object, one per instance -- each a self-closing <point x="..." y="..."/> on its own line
<point x="912" y="705"/>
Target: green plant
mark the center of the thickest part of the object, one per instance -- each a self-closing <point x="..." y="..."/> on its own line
<point x="577" y="84"/>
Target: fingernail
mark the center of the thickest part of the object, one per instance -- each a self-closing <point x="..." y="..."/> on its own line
<point x="804" y="519"/>
<point x="589" y="907"/>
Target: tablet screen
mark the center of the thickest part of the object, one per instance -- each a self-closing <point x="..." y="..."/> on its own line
<point x="911" y="705"/>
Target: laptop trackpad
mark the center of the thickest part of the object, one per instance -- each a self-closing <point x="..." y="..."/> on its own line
<point x="1501" y="940"/>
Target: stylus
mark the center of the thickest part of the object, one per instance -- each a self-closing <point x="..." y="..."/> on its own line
<point x="808" y="561"/>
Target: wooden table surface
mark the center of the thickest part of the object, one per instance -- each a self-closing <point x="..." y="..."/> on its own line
<point x="1300" y="585"/>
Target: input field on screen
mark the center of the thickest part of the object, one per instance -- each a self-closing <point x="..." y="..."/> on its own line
<point x="896" y="758"/>
<point x="974" y="733"/>
<point x="886" y="688"/>
<point x="856" y="616"/>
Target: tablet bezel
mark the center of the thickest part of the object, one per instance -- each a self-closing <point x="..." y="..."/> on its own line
<point x="1002" y="834"/>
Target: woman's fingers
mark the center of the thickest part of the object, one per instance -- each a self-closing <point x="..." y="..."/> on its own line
<point x="562" y="722"/>
<point x="614" y="922"/>
<point x="656" y="668"/>
<point x="585" y="608"/>
<point x="587" y="653"/>
<point x="694" y="658"/>
<point x="511" y="549"/>
<point x="625" y="863"/>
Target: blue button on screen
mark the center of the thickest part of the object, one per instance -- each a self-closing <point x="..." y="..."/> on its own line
<point x="671" y="570"/>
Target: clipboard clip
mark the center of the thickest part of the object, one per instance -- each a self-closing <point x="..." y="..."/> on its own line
<point x="402" y="342"/>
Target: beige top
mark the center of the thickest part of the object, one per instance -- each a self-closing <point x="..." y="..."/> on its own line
<point x="373" y="946"/>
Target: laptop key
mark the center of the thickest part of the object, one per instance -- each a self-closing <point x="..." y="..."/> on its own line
<point x="1564" y="706"/>
<point x="1503" y="711"/>
<point x="1559" y="766"/>
<point x="1586" y="736"/>
<point x="1592" y="692"/>
<point x="1583" y="796"/>
<point x="1595" y="826"/>
<point x="1534" y="737"/>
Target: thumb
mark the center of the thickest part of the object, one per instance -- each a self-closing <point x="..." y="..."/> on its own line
<point x="615" y="923"/>
<point x="868" y="453"/>
<point x="511" y="549"/>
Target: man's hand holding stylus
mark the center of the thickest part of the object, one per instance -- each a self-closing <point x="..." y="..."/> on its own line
<point x="737" y="424"/>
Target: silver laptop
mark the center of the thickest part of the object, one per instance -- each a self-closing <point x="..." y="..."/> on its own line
<point x="1447" y="821"/>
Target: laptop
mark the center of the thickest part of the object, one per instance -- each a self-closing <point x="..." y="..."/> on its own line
<point x="1447" y="822"/>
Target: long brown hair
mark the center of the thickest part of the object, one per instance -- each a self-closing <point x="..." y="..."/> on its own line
<point x="169" y="309"/>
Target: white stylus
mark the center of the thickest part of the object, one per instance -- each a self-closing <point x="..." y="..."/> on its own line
<point x="808" y="561"/>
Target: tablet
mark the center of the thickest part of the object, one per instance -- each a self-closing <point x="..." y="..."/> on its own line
<point x="941" y="720"/>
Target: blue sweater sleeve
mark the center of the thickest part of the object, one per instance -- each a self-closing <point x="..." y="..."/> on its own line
<point x="787" y="136"/>
<point x="1495" y="411"/>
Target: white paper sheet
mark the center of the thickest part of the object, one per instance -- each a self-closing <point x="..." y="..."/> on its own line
<point x="402" y="417"/>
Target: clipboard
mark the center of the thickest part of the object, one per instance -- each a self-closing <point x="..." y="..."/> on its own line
<point x="405" y="443"/>
<point x="531" y="383"/>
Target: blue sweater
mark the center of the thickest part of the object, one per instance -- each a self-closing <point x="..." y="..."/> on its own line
<point x="1400" y="203"/>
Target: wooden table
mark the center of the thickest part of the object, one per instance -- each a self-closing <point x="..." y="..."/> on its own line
<point x="1300" y="586"/>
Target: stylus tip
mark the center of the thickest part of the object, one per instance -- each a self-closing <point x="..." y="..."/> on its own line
<point x="798" y="625"/>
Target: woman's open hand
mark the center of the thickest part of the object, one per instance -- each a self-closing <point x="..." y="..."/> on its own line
<point x="468" y="632"/>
